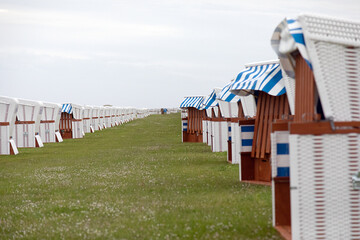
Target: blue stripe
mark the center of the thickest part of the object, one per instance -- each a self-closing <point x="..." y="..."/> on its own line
<point x="299" y="38"/>
<point x="282" y="149"/>
<point x="283" y="171"/>
<point x="229" y="129"/>
<point x="229" y="98"/>
<point x="283" y="91"/>
<point x="290" y="20"/>
<point x="229" y="138"/>
<point x="274" y="80"/>
<point x="184" y="124"/>
<point x="246" y="142"/>
<point x="247" y="128"/>
<point x="210" y="101"/>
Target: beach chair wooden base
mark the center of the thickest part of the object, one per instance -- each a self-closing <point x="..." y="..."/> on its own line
<point x="192" y="137"/>
<point x="247" y="167"/>
<point x="281" y="186"/>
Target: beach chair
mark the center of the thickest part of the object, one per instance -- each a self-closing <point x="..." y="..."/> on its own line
<point x="324" y="139"/>
<point x="262" y="81"/>
<point x="8" y="111"/>
<point x="192" y="119"/>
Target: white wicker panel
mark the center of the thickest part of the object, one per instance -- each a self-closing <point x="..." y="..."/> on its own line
<point x="24" y="135"/>
<point x="108" y="122"/>
<point x="77" y="129"/>
<point x="333" y="47"/>
<point x="208" y="112"/>
<point x="216" y="111"/>
<point x="233" y="109"/>
<point x="219" y="136"/>
<point x="214" y="137"/>
<point x="27" y="112"/>
<point x="4" y="140"/>
<point x="225" y="108"/>
<point x="324" y="204"/>
<point x="273" y="156"/>
<point x="86" y="125"/>
<point x="204" y="128"/>
<point x="4" y="110"/>
<point x="228" y="109"/>
<point x="210" y="132"/>
<point x="95" y="123"/>
<point x="235" y="142"/>
<point x="249" y="105"/>
<point x="224" y="136"/>
<point x="47" y="132"/>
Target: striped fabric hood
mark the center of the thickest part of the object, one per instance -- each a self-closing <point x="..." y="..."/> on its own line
<point x="210" y="101"/>
<point x="67" y="108"/>
<point x="226" y="95"/>
<point x="287" y="38"/>
<point x="266" y="77"/>
<point x="194" y="102"/>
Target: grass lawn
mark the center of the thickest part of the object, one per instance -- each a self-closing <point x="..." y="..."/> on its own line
<point x="135" y="181"/>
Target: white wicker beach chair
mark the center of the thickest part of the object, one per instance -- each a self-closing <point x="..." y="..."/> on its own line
<point x="8" y="111"/>
<point x="324" y="156"/>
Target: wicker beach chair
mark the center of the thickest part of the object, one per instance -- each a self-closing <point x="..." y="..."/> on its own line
<point x="324" y="155"/>
<point x="263" y="81"/>
<point x="191" y="118"/>
<point x="8" y="111"/>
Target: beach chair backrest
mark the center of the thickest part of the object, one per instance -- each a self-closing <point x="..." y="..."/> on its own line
<point x="334" y="49"/>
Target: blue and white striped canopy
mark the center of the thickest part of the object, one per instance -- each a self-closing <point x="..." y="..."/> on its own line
<point x="210" y="101"/>
<point x="266" y="77"/>
<point x="194" y="102"/>
<point x="287" y="37"/>
<point x="67" y="108"/>
<point x="226" y="95"/>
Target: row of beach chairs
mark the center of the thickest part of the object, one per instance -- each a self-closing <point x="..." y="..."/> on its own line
<point x="28" y="123"/>
<point x="294" y="123"/>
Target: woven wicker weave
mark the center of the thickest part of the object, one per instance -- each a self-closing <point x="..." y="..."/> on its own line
<point x="248" y="105"/>
<point x="324" y="204"/>
<point x="205" y="130"/>
<point x="4" y="140"/>
<point x="219" y="136"/>
<point x="235" y="142"/>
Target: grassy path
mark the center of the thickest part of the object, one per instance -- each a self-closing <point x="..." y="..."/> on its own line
<point x="135" y="181"/>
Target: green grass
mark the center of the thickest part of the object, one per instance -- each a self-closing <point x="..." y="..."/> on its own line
<point x="135" y="181"/>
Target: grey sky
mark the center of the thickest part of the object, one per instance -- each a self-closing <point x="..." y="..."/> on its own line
<point x="138" y="53"/>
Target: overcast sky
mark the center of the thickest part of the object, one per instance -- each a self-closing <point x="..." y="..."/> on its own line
<point x="138" y="53"/>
